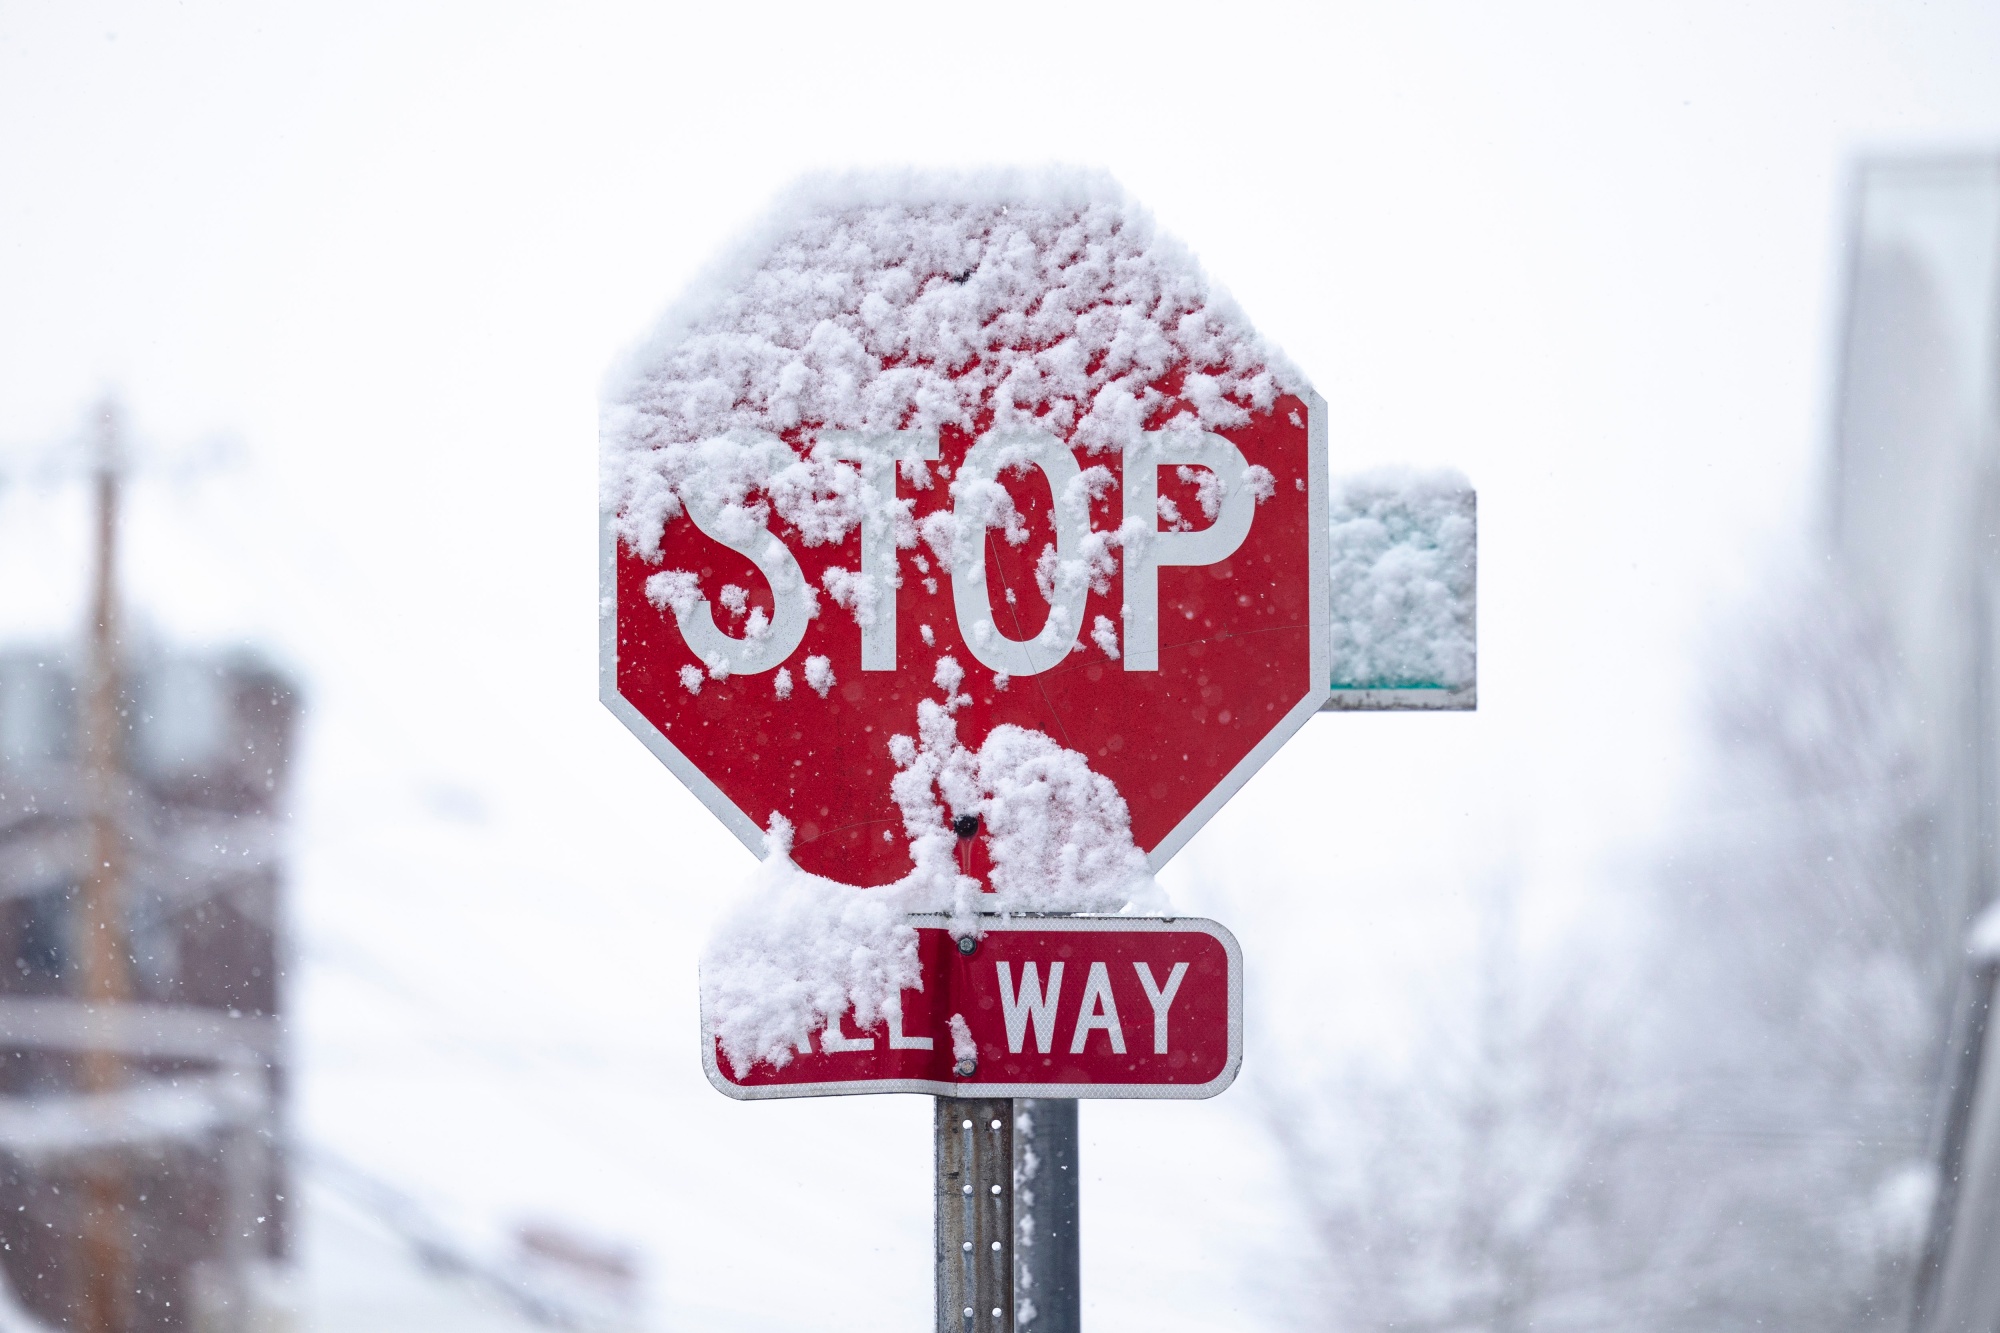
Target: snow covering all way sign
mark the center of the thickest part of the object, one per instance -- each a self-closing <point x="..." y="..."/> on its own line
<point x="964" y="550"/>
<point x="1040" y="1007"/>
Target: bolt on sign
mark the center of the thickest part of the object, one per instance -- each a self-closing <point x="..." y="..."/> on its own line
<point x="964" y="551"/>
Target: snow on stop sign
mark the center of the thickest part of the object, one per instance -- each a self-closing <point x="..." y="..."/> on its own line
<point x="965" y="550"/>
<point x="997" y="421"/>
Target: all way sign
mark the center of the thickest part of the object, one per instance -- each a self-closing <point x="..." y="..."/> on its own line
<point x="1050" y="1007"/>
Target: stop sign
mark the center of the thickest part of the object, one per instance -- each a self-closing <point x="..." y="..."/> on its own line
<point x="994" y="440"/>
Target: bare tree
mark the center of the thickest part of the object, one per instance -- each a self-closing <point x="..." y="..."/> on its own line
<point x="1709" y="1120"/>
<point x="1471" y="1189"/>
<point x="1809" y="980"/>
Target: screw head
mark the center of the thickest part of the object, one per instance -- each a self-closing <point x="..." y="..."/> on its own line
<point x="965" y="1068"/>
<point x="966" y="826"/>
<point x="968" y="943"/>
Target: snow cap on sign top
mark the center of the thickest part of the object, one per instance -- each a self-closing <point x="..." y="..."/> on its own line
<point x="891" y="301"/>
<point x="1404" y="579"/>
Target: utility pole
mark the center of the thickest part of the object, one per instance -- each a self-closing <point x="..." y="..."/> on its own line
<point x="106" y="959"/>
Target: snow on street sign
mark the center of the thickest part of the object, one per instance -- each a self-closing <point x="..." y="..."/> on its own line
<point x="1405" y="588"/>
<point x="1049" y="1007"/>
<point x="908" y="423"/>
<point x="964" y="550"/>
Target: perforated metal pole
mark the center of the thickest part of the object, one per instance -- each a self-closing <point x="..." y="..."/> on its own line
<point x="975" y="1215"/>
<point x="1048" y="1292"/>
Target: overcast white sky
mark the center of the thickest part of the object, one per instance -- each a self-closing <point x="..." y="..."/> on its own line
<point x="1586" y="253"/>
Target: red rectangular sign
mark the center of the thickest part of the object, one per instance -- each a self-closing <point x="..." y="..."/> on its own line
<point x="1060" y="1006"/>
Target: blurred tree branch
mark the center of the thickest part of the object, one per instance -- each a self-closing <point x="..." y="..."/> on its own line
<point x="1712" y="1121"/>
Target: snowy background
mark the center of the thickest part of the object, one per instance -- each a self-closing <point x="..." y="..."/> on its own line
<point x="358" y="272"/>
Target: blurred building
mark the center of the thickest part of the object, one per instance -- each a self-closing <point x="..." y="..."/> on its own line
<point x="1916" y="522"/>
<point x="188" y="1136"/>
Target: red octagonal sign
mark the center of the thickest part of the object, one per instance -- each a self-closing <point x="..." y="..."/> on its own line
<point x="1001" y="421"/>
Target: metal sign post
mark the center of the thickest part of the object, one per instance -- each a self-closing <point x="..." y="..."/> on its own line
<point x="975" y="1215"/>
<point x="1006" y="1216"/>
<point x="1048" y="1291"/>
